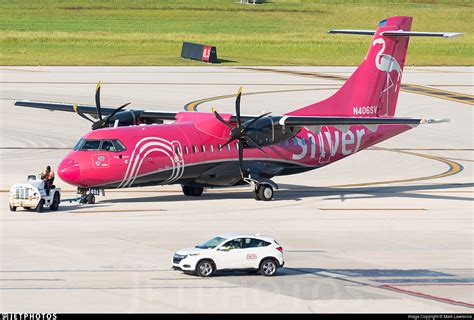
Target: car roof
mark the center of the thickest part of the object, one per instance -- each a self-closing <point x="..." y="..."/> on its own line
<point x="245" y="235"/>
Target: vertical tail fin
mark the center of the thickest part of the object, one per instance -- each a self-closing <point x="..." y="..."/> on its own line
<point x="372" y="90"/>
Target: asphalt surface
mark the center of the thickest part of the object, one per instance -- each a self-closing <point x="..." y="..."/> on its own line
<point x="389" y="229"/>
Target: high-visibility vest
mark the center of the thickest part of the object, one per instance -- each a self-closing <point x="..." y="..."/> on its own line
<point x="49" y="175"/>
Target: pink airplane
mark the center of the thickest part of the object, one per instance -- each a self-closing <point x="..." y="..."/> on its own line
<point x="132" y="148"/>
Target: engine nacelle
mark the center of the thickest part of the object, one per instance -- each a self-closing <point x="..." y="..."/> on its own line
<point x="129" y="118"/>
<point x="267" y="131"/>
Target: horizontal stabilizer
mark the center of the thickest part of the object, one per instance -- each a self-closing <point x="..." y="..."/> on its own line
<point x="402" y="33"/>
<point x="334" y="121"/>
<point x="350" y="31"/>
<point x="398" y="33"/>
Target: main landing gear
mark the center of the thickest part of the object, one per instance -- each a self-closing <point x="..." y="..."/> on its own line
<point x="192" y="191"/>
<point x="262" y="188"/>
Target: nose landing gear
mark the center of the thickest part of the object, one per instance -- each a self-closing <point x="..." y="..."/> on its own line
<point x="88" y="194"/>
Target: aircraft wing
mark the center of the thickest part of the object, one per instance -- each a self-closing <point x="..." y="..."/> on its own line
<point x="92" y="110"/>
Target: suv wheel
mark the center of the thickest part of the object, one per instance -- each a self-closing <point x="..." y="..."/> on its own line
<point x="205" y="268"/>
<point x="268" y="267"/>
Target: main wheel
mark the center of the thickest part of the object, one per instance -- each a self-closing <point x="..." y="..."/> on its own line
<point x="205" y="268"/>
<point x="197" y="191"/>
<point x="40" y="206"/>
<point x="12" y="208"/>
<point x="265" y="192"/>
<point x="90" y="198"/>
<point x="192" y="191"/>
<point x="268" y="267"/>
<point x="55" y="205"/>
<point x="255" y="193"/>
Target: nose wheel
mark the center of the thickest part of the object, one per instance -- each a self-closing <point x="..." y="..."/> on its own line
<point x="88" y="195"/>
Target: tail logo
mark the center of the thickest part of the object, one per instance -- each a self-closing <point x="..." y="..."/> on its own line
<point x="387" y="64"/>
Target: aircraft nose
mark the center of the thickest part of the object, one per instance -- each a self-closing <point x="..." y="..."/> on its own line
<point x="69" y="171"/>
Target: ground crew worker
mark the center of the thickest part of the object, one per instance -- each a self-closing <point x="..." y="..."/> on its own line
<point x="48" y="178"/>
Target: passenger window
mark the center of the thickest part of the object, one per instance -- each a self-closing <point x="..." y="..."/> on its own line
<point x="233" y="244"/>
<point x="203" y="148"/>
<point x="236" y="146"/>
<point x="211" y="148"/>
<point x="177" y="150"/>
<point x="228" y="147"/>
<point x="91" y="145"/>
<point x="186" y="150"/>
<point x="195" y="149"/>
<point x="219" y="146"/>
<point x="255" y="243"/>
<point x="107" y="145"/>
<point x="295" y="141"/>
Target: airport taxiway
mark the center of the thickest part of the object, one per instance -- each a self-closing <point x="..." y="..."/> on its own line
<point x="389" y="229"/>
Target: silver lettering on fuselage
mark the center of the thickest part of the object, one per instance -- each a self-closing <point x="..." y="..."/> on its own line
<point x="304" y="150"/>
<point x="329" y="143"/>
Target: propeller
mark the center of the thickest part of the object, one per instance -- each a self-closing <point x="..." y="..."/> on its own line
<point x="240" y="132"/>
<point x="101" y="122"/>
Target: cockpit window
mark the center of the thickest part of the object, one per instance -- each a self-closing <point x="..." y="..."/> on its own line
<point x="78" y="144"/>
<point x="104" y="145"/>
<point x="91" y="145"/>
<point x="118" y="145"/>
<point x="107" y="145"/>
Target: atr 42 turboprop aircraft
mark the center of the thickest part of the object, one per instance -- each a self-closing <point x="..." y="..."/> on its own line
<point x="132" y="148"/>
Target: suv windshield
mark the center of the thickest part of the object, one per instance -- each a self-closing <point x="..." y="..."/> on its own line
<point x="211" y="244"/>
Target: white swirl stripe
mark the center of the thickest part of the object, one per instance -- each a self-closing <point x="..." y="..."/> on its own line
<point x="143" y="149"/>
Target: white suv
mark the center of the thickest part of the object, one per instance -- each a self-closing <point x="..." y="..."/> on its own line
<point x="231" y="251"/>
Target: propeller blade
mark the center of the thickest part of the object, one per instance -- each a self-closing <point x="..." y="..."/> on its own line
<point x="115" y="111"/>
<point x="81" y="114"/>
<point x="228" y="142"/>
<point x="254" y="144"/>
<point x="241" y="158"/>
<point x="255" y="119"/>
<point x="97" y="100"/>
<point x="237" y="106"/>
<point x="218" y="116"/>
